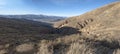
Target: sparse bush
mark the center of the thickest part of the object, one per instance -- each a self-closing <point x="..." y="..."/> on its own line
<point x="25" y="47"/>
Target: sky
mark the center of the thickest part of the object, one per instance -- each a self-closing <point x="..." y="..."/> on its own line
<point x="50" y="7"/>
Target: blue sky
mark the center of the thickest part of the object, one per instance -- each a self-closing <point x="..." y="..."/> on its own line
<point x="50" y="7"/>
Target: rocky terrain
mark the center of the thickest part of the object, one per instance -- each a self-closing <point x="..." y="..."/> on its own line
<point x="95" y="32"/>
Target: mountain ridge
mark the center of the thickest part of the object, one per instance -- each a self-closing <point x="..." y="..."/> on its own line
<point x="43" y="18"/>
<point x="106" y="13"/>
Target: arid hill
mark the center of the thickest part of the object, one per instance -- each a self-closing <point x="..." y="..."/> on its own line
<point x="101" y="24"/>
<point x="104" y="20"/>
<point x="95" y="32"/>
<point x="101" y="19"/>
<point x="23" y="26"/>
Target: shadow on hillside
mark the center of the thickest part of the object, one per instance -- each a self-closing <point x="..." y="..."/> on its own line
<point x="66" y="31"/>
<point x="58" y="33"/>
<point x="15" y="40"/>
<point x="18" y="27"/>
<point x="15" y="32"/>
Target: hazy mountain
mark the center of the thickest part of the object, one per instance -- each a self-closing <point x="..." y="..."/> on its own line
<point x="43" y="18"/>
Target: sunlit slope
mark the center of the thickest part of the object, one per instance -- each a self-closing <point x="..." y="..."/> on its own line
<point x="99" y="20"/>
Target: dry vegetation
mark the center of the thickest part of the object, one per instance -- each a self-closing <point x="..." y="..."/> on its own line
<point x="96" y="32"/>
<point x="71" y="44"/>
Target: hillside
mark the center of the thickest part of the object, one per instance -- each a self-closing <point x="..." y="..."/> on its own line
<point x="23" y="26"/>
<point x="102" y="19"/>
<point x="99" y="27"/>
<point x="95" y="32"/>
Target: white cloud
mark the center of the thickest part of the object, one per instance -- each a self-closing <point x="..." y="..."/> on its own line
<point x="2" y="2"/>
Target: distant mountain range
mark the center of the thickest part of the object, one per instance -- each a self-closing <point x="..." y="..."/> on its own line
<point x="42" y="18"/>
